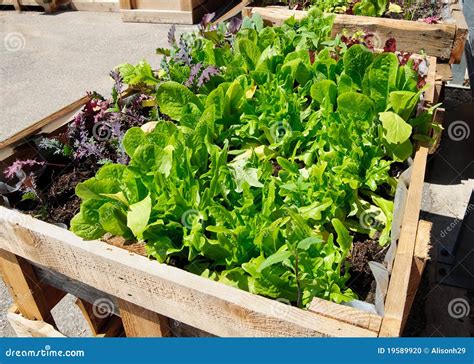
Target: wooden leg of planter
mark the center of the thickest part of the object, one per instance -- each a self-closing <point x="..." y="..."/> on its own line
<point x="33" y="299"/>
<point x="110" y="326"/>
<point x="17" y="5"/>
<point x="139" y="322"/>
<point x="51" y="7"/>
<point x="125" y="4"/>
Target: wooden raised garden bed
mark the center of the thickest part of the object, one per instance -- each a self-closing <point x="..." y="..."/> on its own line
<point x="167" y="11"/>
<point x="444" y="41"/>
<point x="41" y="262"/>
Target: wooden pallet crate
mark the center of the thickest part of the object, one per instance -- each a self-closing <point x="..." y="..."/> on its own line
<point x="444" y="41"/>
<point x="41" y="262"/>
<point x="19" y="5"/>
<point x="168" y="11"/>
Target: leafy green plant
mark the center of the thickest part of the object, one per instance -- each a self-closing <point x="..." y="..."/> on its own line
<point x="259" y="178"/>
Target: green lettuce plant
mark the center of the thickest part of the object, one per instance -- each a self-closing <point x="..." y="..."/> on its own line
<point x="259" y="178"/>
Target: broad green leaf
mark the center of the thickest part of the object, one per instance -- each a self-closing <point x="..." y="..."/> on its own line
<point x="138" y="216"/>
<point x="85" y="229"/>
<point x="113" y="219"/>
<point x="309" y="242"/>
<point x="346" y="106"/>
<point x="133" y="138"/>
<point x="172" y="98"/>
<point x="357" y="60"/>
<point x="343" y="238"/>
<point x="324" y="89"/>
<point x="249" y="52"/>
<point x="396" y="130"/>
<point x="404" y="102"/>
<point x="380" y="79"/>
<point x="276" y="258"/>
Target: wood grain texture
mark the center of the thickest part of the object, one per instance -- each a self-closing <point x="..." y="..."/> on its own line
<point x="435" y="39"/>
<point x="29" y="328"/>
<point x="32" y="298"/>
<point x="346" y="314"/>
<point x="430" y="93"/>
<point x="103" y="326"/>
<point x="140" y="322"/>
<point x="90" y="295"/>
<point x="211" y="306"/>
<point x="396" y="299"/>
<point x="420" y="258"/>
<point x="125" y="4"/>
<point x="462" y="33"/>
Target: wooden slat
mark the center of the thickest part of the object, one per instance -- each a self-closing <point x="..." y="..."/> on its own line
<point x="392" y="322"/>
<point x="29" y="328"/>
<point x="90" y="294"/>
<point x="444" y="72"/>
<point x="420" y="258"/>
<point x="125" y="4"/>
<point x="211" y="306"/>
<point x="112" y="328"/>
<point x="157" y="16"/>
<point x="233" y="11"/>
<point x="157" y="5"/>
<point x="346" y="314"/>
<point x="430" y="94"/>
<point x="28" y="293"/>
<point x="140" y="322"/>
<point x="96" y="324"/>
<point x="462" y="32"/>
<point x="435" y="39"/>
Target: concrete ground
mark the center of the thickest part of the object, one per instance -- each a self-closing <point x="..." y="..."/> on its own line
<point x="48" y="61"/>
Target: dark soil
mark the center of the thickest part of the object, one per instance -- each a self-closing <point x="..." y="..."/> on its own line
<point x="362" y="280"/>
<point x="57" y="202"/>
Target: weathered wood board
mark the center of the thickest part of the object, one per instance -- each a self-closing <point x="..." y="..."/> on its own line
<point x="444" y="41"/>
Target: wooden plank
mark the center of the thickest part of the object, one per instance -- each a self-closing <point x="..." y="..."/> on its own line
<point x="112" y="328"/>
<point x="29" y="328"/>
<point x="233" y="11"/>
<point x="27" y="291"/>
<point x="140" y="322"/>
<point x="420" y="258"/>
<point x="95" y="323"/>
<point x="435" y="39"/>
<point x="157" y="16"/>
<point x="211" y="306"/>
<point x="125" y="4"/>
<point x="462" y="32"/>
<point x="346" y="314"/>
<point x="444" y="72"/>
<point x="157" y="5"/>
<point x="17" y="5"/>
<point x="90" y="294"/>
<point x="430" y="94"/>
<point x="392" y="323"/>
